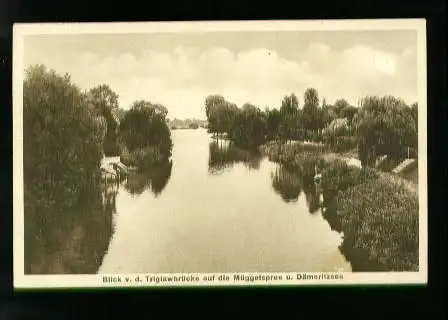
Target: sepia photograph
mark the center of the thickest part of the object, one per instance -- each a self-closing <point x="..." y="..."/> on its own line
<point x="220" y="153"/>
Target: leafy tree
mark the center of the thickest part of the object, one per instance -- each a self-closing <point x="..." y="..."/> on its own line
<point x="212" y="104"/>
<point x="61" y="136"/>
<point x="290" y="104"/>
<point x="311" y="97"/>
<point x="103" y="97"/>
<point x="62" y="139"/>
<point x="249" y="129"/>
<point x="105" y="101"/>
<point x="328" y="114"/>
<point x="312" y="119"/>
<point x="273" y="122"/>
<point x="340" y="105"/>
<point x="289" y="113"/>
<point x="348" y="112"/>
<point x="144" y="125"/>
<point x="384" y="126"/>
<point x="222" y="117"/>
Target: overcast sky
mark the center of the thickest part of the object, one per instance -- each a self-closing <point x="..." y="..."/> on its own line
<point x="180" y="70"/>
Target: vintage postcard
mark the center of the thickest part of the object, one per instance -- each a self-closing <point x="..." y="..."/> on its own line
<point x="243" y="153"/>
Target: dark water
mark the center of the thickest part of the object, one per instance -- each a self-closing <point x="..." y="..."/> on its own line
<point x="214" y="208"/>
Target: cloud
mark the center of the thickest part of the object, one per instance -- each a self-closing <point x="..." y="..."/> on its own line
<point x="182" y="79"/>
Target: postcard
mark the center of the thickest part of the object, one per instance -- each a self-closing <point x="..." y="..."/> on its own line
<point x="244" y="153"/>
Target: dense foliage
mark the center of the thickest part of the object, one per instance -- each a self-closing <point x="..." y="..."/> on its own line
<point x="62" y="145"/>
<point x="66" y="133"/>
<point x="146" y="134"/>
<point x="385" y="126"/>
<point x="377" y="214"/>
<point x="105" y="100"/>
<point x="62" y="140"/>
<point x="250" y="127"/>
<point x="380" y="126"/>
<point x="379" y="219"/>
<point x="380" y="224"/>
<point x="339" y="176"/>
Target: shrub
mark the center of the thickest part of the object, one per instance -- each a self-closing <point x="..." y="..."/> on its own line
<point x="306" y="163"/>
<point x="339" y="176"/>
<point x="286" y="153"/>
<point x="380" y="225"/>
<point x="344" y="143"/>
<point x="142" y="157"/>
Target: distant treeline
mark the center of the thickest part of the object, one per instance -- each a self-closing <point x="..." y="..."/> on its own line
<point x="379" y="125"/>
<point x="187" y="124"/>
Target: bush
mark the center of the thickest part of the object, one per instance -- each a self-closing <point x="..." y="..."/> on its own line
<point x="339" y="176"/>
<point x="344" y="143"/>
<point x="142" y="157"/>
<point x="380" y="225"/>
<point x="306" y="163"/>
<point x="286" y="153"/>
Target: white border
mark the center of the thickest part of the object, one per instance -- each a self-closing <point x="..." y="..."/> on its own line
<point x="91" y="281"/>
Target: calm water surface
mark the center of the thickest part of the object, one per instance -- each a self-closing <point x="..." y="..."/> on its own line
<point x="218" y="209"/>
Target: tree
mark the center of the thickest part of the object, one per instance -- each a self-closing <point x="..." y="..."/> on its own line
<point x="384" y="126"/>
<point x="273" y="121"/>
<point x="249" y="128"/>
<point x="105" y="102"/>
<point x="324" y="103"/>
<point x="340" y="105"/>
<point x="150" y="108"/>
<point x="311" y="97"/>
<point x="103" y="98"/>
<point x="289" y="112"/>
<point x="328" y="114"/>
<point x="61" y="145"/>
<point x="145" y="125"/>
<point x="212" y="104"/>
<point x="348" y="112"/>
<point x="312" y="118"/>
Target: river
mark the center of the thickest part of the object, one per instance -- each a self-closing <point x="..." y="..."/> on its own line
<point x="220" y="210"/>
<point x="214" y="208"/>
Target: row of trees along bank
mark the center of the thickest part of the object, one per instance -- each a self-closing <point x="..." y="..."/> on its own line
<point x="379" y="126"/>
<point x="66" y="133"/>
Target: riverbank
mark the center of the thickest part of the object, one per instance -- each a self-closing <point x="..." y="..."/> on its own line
<point x="376" y="211"/>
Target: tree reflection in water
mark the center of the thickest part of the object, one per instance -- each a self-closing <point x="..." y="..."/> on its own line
<point x="155" y="179"/>
<point x="289" y="184"/>
<point x="73" y="241"/>
<point x="223" y="154"/>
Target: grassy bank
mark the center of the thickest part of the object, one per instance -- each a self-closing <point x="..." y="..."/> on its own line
<point x="376" y="211"/>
